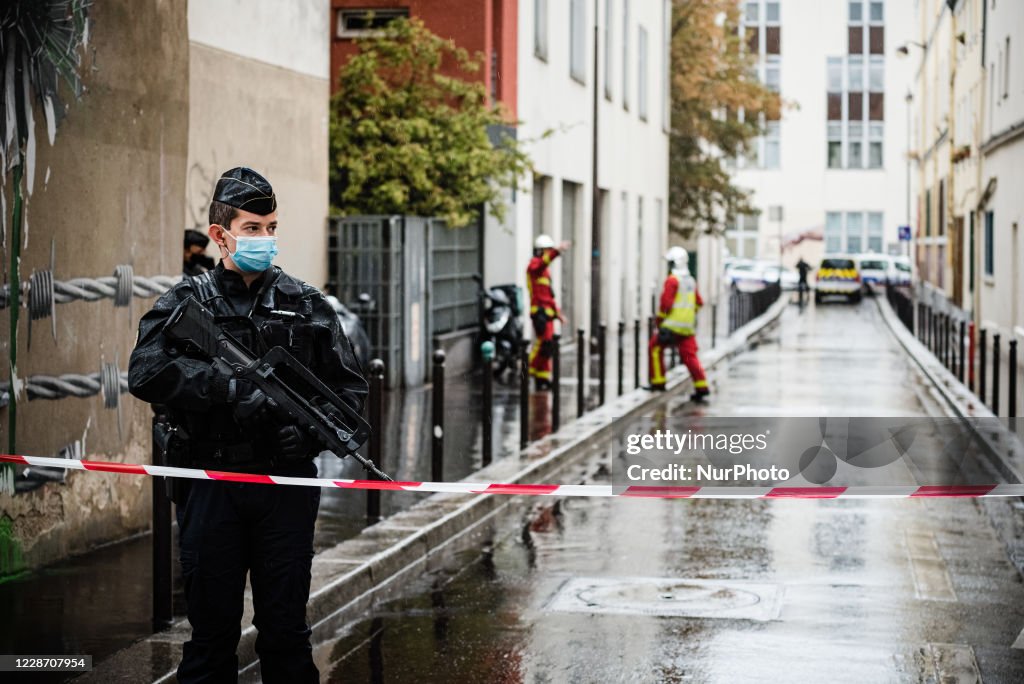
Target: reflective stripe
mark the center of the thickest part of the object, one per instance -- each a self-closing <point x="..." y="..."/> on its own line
<point x="681" y="318"/>
<point x="543" y="281"/>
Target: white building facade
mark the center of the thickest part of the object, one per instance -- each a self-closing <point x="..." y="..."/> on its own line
<point x="831" y="175"/>
<point x="610" y="275"/>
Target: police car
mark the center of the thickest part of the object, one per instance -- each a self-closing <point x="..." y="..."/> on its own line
<point x="837" y="276"/>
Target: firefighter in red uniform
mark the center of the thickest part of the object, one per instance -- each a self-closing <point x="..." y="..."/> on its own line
<point x="543" y="309"/>
<point x="677" y="318"/>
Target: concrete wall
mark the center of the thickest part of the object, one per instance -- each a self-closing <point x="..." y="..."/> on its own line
<point x="107" y="192"/>
<point x="259" y="98"/>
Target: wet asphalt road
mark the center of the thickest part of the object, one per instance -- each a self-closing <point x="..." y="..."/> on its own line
<point x="724" y="591"/>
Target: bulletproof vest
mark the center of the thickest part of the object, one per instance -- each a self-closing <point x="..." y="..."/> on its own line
<point x="280" y="315"/>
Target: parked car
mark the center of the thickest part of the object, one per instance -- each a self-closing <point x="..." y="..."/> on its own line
<point x="874" y="269"/>
<point x="837" y="275"/>
<point x="790" y="279"/>
<point x="899" y="270"/>
<point x="353" y="328"/>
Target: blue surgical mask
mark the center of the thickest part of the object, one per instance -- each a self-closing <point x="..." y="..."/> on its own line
<point x="254" y="254"/>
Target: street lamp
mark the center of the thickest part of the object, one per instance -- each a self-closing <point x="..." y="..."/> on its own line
<point x="904" y="50"/>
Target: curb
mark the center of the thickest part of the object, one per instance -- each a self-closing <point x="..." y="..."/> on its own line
<point x="1003" y="448"/>
<point x="373" y="566"/>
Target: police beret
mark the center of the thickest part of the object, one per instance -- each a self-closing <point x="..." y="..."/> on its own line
<point x="243" y="188"/>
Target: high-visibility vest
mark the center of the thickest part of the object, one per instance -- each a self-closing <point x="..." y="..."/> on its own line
<point x="682" y="316"/>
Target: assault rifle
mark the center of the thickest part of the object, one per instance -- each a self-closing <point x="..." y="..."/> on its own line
<point x="291" y="389"/>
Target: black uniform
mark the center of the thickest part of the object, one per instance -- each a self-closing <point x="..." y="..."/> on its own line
<point x="227" y="529"/>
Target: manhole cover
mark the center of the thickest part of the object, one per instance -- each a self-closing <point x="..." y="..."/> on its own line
<point x="669" y="597"/>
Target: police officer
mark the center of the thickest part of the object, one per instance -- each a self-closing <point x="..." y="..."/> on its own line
<point x="677" y="317"/>
<point x="194" y="260"/>
<point x="543" y="308"/>
<point x="229" y="529"/>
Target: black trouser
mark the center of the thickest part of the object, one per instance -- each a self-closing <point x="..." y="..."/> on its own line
<point x="227" y="529"/>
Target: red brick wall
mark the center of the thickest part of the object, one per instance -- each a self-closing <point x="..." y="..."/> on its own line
<point x="476" y="25"/>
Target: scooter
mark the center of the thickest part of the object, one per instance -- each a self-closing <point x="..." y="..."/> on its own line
<point x="500" y="309"/>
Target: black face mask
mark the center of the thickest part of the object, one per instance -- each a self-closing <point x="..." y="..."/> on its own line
<point x="201" y="260"/>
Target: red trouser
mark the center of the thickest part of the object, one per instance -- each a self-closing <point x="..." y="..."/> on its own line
<point x="543" y="349"/>
<point x="687" y="346"/>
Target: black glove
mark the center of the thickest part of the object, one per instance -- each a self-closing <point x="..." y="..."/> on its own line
<point x="294" y="443"/>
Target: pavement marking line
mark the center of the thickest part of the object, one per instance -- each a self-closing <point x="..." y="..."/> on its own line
<point x="1019" y="643"/>
<point x="516" y="488"/>
<point x="928" y="567"/>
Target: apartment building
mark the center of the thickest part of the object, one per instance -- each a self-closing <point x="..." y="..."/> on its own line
<point x="830" y="175"/>
<point x="540" y="63"/>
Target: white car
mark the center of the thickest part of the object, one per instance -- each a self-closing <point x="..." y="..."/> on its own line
<point x="874" y="269"/>
<point x="790" y="278"/>
<point x="899" y="270"/>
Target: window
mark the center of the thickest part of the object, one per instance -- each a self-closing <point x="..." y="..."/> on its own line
<point x="928" y="212"/>
<point x="865" y="31"/>
<point x="856" y="12"/>
<point x="1006" y="70"/>
<point x="761" y="24"/>
<point x="940" y="215"/>
<point x="990" y="259"/>
<point x="741" y="236"/>
<point x="625" y="54"/>
<point x="641" y="76"/>
<point x="875" y="232"/>
<point x="833" y="232"/>
<point x="856" y="110"/>
<point x="578" y="40"/>
<point x="608" y="49"/>
<point x="877" y="12"/>
<point x="771" y="146"/>
<point x="772" y="77"/>
<point x="855" y="232"/>
<point x="540" y="29"/>
<point x="365" y="22"/>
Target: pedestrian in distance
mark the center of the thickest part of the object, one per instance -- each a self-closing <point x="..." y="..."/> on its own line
<point x="194" y="259"/>
<point x="803" y="268"/>
<point x="677" y="318"/>
<point x="543" y="308"/>
<point x="230" y="529"/>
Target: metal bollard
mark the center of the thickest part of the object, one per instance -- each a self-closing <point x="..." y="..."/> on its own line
<point x="961" y="368"/>
<point x="162" y="584"/>
<point x="487" y="414"/>
<point x="995" y="374"/>
<point x="982" y="353"/>
<point x="621" y="356"/>
<point x="602" y="362"/>
<point x="581" y="371"/>
<point x="437" y="411"/>
<point x="636" y="353"/>
<point x="1012" y="409"/>
<point x="376" y="418"/>
<point x="524" y="394"/>
<point x="556" y="383"/>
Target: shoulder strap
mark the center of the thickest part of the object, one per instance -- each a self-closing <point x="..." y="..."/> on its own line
<point x="205" y="286"/>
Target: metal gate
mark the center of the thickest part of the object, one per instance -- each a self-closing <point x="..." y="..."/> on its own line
<point x="415" y="279"/>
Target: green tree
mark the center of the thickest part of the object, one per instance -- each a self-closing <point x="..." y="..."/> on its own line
<point x="712" y="81"/>
<point x="409" y="131"/>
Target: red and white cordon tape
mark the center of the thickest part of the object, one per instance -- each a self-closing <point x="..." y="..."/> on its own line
<point x="635" y="491"/>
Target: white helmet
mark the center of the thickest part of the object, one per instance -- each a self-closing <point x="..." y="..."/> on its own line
<point x="678" y="257"/>
<point x="543" y="242"/>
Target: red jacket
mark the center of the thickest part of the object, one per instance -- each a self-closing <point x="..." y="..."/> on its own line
<point x="538" y="282"/>
<point x="668" y="296"/>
